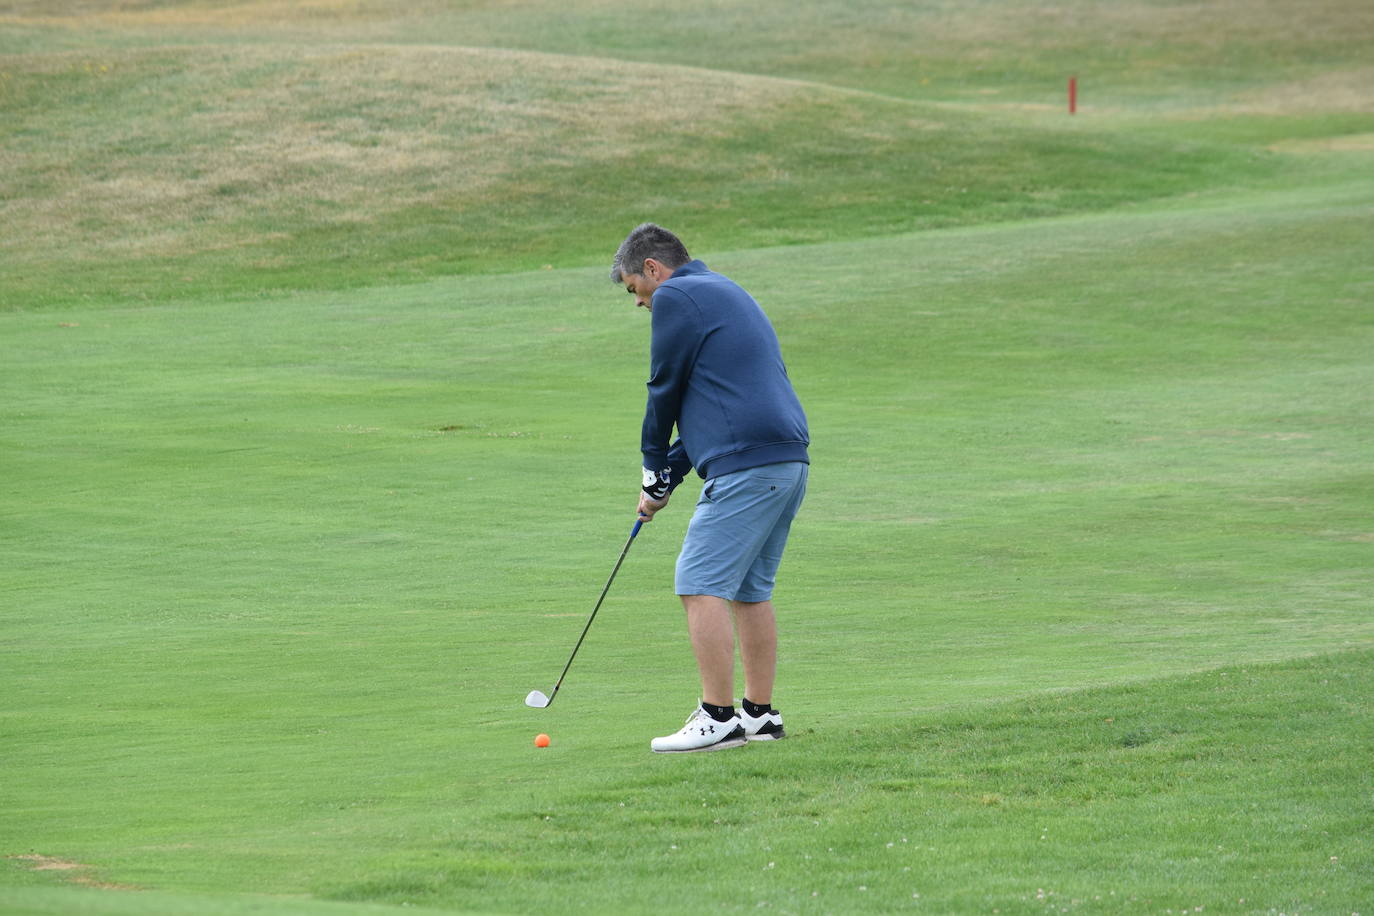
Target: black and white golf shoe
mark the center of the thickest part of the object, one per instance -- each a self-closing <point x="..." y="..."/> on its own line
<point x="702" y="733"/>
<point x="767" y="727"/>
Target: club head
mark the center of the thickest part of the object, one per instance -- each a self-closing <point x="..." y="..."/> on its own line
<point x="537" y="699"/>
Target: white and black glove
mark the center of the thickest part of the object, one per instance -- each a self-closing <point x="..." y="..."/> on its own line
<point x="657" y="484"/>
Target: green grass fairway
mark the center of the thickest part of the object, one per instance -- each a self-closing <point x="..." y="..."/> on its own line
<point x="320" y="438"/>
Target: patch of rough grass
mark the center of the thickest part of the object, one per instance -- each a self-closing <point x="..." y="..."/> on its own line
<point x="191" y="12"/>
<point x="207" y="136"/>
<point x="232" y="169"/>
<point x="1344" y="90"/>
<point x="1218" y="26"/>
<point x="1351" y="143"/>
<point x="1171" y="54"/>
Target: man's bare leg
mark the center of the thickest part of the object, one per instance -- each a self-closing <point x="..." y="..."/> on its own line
<point x="713" y="643"/>
<point x="758" y="648"/>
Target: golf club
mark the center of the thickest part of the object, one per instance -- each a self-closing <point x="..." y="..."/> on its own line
<point x="536" y="698"/>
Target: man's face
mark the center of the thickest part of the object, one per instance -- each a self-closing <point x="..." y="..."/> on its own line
<point x="642" y="285"/>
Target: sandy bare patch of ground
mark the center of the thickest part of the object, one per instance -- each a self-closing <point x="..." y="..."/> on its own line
<point x="73" y="872"/>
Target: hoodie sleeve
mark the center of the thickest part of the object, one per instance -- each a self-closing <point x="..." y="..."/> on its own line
<point x="676" y="341"/>
<point x="679" y="465"/>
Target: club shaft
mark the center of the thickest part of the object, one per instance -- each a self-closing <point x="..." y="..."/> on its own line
<point x="625" y="550"/>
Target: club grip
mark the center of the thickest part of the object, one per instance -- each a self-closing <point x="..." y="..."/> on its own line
<point x="639" y="523"/>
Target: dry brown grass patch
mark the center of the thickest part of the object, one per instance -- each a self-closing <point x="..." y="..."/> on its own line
<point x="195" y="140"/>
<point x="1350" y="90"/>
<point x="73" y="872"/>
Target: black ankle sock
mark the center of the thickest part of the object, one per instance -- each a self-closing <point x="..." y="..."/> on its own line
<point x="754" y="709"/>
<point x="719" y="713"/>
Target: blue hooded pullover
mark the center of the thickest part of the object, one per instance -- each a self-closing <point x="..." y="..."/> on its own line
<point x="716" y="373"/>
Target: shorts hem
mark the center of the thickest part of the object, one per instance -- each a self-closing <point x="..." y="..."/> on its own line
<point x="707" y="592"/>
<point x="715" y="593"/>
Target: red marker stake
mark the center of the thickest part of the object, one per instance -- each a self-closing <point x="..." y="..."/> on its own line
<point x="1073" y="95"/>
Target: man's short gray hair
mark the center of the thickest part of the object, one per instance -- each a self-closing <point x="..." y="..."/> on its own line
<point x="648" y="241"/>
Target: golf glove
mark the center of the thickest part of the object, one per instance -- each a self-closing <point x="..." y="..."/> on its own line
<point x="658" y="483"/>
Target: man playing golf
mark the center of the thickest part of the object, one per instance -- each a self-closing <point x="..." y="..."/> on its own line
<point x="716" y="374"/>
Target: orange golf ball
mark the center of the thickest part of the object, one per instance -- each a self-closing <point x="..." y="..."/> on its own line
<point x="541" y="740"/>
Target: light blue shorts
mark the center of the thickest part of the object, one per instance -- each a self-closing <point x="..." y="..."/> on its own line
<point x="735" y="540"/>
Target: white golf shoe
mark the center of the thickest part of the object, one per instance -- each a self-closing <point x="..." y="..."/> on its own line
<point x="767" y="727"/>
<point x="702" y="733"/>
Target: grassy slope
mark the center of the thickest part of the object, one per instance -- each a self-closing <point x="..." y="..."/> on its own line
<point x="261" y="591"/>
<point x="1224" y="791"/>
<point x="268" y="147"/>
<point x="249" y="616"/>
<point x="182" y="171"/>
<point x="1152" y="52"/>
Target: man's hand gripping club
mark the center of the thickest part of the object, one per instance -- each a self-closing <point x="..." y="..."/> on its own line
<point x="655" y="493"/>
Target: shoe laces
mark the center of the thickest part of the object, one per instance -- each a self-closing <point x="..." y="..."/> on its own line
<point x="697" y="713"/>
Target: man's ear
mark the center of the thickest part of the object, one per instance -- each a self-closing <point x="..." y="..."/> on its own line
<point x="658" y="268"/>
